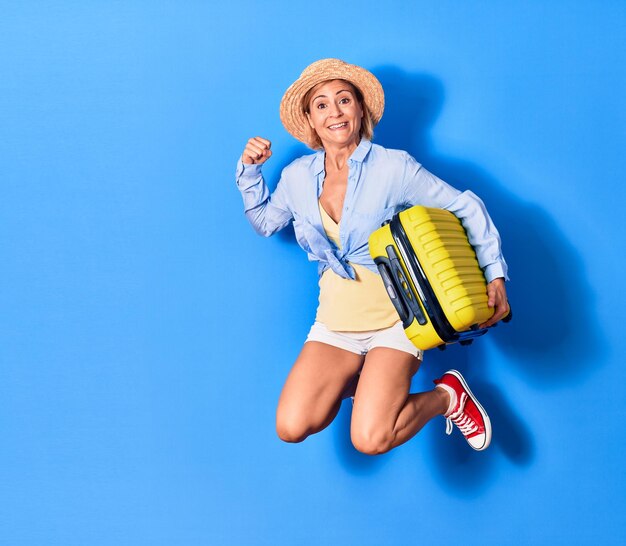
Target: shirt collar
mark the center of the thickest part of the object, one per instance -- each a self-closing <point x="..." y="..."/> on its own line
<point x="361" y="150"/>
<point x="358" y="155"/>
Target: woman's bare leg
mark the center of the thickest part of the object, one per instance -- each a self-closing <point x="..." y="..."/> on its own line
<point x="320" y="378"/>
<point x="385" y="415"/>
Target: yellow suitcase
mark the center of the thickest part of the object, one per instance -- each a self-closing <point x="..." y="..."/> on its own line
<point x="432" y="276"/>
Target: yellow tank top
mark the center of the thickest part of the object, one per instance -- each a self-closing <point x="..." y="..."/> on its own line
<point x="347" y="305"/>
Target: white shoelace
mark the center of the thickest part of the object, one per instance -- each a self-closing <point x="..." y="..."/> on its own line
<point x="465" y="423"/>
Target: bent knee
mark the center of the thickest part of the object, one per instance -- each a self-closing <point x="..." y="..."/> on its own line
<point x="291" y="430"/>
<point x="291" y="435"/>
<point x="373" y="442"/>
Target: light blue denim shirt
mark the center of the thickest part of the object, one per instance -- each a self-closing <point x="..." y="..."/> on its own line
<point x="381" y="182"/>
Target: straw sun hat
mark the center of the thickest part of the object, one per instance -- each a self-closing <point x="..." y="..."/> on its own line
<point x="292" y="106"/>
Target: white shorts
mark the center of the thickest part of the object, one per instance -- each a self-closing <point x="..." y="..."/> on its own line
<point x="362" y="342"/>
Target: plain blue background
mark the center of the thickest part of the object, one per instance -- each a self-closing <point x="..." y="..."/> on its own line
<point x="146" y="330"/>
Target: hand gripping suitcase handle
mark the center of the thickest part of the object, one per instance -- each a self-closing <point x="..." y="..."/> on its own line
<point x="506" y="318"/>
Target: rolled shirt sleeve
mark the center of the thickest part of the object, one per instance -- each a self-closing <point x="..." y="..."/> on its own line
<point x="267" y="213"/>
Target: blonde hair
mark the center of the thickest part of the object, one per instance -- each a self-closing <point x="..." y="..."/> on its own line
<point x="367" y="121"/>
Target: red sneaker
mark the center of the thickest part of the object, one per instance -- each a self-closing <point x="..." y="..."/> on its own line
<point x="466" y="413"/>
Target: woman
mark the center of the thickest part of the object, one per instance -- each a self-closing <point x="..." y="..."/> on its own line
<point x="336" y="198"/>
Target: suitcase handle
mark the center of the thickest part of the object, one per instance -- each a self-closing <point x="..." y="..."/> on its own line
<point x="398" y="289"/>
<point x="393" y="292"/>
<point x="403" y="288"/>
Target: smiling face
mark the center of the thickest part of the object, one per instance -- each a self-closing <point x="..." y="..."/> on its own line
<point x="335" y="113"/>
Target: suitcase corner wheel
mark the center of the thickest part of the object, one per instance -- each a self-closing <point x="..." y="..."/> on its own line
<point x="432" y="277"/>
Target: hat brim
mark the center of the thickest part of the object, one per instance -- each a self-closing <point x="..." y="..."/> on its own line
<point x="292" y="113"/>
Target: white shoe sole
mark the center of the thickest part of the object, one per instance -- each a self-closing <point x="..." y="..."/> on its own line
<point x="485" y="417"/>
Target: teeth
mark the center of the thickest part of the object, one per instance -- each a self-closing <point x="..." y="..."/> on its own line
<point x="338" y="125"/>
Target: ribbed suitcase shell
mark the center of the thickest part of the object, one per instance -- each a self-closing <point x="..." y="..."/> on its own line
<point x="440" y="246"/>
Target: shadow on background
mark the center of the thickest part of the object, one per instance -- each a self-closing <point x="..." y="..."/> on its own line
<point x="459" y="468"/>
<point x="552" y="300"/>
<point x="553" y="325"/>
